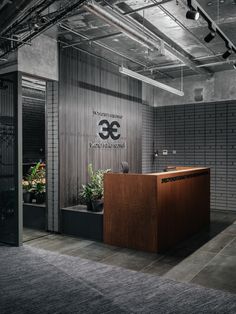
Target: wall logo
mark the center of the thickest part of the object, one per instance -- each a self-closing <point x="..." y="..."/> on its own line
<point x="109" y="129"/>
<point x="109" y="133"/>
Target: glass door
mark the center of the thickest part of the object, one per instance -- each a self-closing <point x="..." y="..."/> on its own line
<point x="10" y="160"/>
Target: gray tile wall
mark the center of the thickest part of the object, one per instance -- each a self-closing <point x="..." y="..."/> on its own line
<point x="52" y="150"/>
<point x="147" y="139"/>
<point x="202" y="135"/>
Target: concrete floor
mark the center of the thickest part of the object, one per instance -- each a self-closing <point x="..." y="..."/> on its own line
<point x="207" y="259"/>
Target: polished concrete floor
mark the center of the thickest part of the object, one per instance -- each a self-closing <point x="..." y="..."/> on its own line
<point x="208" y="258"/>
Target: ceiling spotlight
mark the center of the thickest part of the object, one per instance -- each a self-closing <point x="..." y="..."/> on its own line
<point x="210" y="36"/>
<point x="36" y="27"/>
<point x="227" y="53"/>
<point x="43" y="19"/>
<point x="192" y="15"/>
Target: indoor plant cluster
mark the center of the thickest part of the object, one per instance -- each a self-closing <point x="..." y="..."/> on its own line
<point x="34" y="184"/>
<point x="92" y="192"/>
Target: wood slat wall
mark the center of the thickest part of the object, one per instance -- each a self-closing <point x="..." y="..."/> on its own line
<point x="88" y="84"/>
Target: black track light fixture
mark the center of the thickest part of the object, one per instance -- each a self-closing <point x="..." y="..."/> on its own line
<point x="209" y="37"/>
<point x="192" y="14"/>
<point x="227" y="53"/>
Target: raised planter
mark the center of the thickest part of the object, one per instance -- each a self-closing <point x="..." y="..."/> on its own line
<point x="35" y="216"/>
<point x="78" y="221"/>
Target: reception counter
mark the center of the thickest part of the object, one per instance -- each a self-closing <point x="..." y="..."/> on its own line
<point x="153" y="212"/>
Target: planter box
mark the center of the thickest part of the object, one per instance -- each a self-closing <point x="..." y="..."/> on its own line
<point x="78" y="221"/>
<point x="34" y="216"/>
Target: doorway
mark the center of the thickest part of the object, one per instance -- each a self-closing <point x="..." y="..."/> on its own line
<point x="34" y="158"/>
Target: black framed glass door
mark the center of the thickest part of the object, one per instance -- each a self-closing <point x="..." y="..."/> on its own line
<point x="10" y="160"/>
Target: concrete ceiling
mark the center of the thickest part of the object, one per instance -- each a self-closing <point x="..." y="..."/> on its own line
<point x="167" y="22"/>
<point x="179" y="43"/>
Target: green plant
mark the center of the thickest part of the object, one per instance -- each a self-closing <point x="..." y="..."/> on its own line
<point x="40" y="188"/>
<point x="94" y="189"/>
<point x="27" y="186"/>
<point x="86" y="192"/>
<point x="36" y="176"/>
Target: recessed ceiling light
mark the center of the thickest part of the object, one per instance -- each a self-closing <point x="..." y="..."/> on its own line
<point x="209" y="3"/>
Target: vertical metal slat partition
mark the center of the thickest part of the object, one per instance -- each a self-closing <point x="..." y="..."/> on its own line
<point x="10" y="159"/>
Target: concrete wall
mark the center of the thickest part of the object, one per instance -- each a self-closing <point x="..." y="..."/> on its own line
<point x="40" y="59"/>
<point x="220" y="87"/>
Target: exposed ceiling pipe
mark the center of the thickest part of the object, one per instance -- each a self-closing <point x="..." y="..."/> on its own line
<point x="22" y="9"/>
<point x="130" y="29"/>
<point x="16" y="40"/>
<point x="118" y="21"/>
<point x="67" y="28"/>
<point x="55" y="19"/>
<point x="179" y="65"/>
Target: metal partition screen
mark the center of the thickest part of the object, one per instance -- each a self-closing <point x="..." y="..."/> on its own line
<point x="9" y="163"/>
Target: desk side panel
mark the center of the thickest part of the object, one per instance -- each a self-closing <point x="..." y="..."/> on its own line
<point x="183" y="205"/>
<point x="130" y="213"/>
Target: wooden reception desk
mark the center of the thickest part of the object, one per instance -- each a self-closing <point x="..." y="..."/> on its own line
<point x="152" y="212"/>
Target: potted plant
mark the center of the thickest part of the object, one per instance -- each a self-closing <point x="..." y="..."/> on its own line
<point x="92" y="192"/>
<point x="40" y="192"/>
<point x="86" y="195"/>
<point x="36" y="175"/>
<point x="27" y="191"/>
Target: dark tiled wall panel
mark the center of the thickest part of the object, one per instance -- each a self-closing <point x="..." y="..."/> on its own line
<point x="52" y="155"/>
<point x="202" y="135"/>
